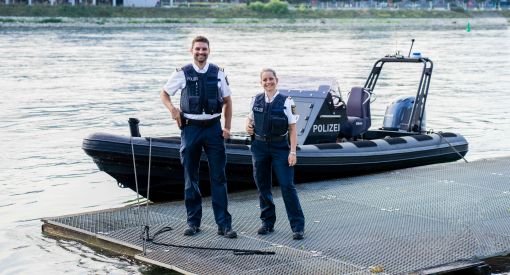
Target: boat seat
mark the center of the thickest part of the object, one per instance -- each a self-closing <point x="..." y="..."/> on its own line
<point x="358" y="113"/>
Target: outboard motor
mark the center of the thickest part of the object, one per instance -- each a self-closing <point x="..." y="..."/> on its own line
<point x="398" y="114"/>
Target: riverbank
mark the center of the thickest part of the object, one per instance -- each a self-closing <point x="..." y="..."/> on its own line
<point x="55" y="17"/>
<point x="302" y="23"/>
<point x="178" y="14"/>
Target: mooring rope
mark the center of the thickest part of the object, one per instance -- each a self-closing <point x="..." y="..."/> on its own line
<point x="136" y="178"/>
<point x="146" y="225"/>
<point x="145" y="235"/>
<point x="455" y="150"/>
<point x="234" y="250"/>
<point x="144" y="228"/>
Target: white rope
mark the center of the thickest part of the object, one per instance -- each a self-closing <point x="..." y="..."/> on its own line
<point x="455" y="150"/>
<point x="136" y="177"/>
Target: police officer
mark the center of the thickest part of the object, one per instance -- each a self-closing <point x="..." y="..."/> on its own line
<point x="204" y="94"/>
<point x="272" y="122"/>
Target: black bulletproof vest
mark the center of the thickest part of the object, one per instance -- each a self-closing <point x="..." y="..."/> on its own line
<point x="201" y="94"/>
<point x="269" y="118"/>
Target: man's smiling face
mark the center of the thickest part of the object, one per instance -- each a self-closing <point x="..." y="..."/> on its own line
<point x="200" y="52"/>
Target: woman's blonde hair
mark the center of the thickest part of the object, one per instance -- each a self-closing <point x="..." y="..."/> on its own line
<point x="268" y="70"/>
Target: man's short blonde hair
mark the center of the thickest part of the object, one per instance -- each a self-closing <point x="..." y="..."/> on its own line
<point x="199" y="39"/>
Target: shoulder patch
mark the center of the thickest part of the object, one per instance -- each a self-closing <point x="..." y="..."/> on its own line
<point x="292" y="106"/>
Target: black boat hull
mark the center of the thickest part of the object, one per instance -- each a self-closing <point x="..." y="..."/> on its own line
<point x="113" y="154"/>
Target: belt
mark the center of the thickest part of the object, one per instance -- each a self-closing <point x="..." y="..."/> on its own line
<point x="201" y="123"/>
<point x="271" y="138"/>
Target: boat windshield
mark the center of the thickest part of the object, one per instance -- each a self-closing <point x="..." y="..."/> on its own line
<point x="309" y="83"/>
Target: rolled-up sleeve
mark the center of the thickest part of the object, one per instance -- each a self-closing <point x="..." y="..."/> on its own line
<point x="223" y="84"/>
<point x="250" y="115"/>
<point x="175" y="83"/>
<point x="292" y="118"/>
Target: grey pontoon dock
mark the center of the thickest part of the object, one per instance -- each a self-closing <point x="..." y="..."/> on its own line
<point x="428" y="219"/>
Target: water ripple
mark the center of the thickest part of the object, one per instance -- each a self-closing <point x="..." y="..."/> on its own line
<point x="62" y="83"/>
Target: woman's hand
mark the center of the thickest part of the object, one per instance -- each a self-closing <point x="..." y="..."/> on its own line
<point x="292" y="158"/>
<point x="293" y="140"/>
<point x="249" y="127"/>
<point x="226" y="133"/>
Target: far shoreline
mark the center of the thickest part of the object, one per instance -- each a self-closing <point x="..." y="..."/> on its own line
<point x="234" y="15"/>
<point x="237" y="11"/>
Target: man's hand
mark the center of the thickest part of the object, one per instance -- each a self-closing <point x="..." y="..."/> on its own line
<point x="226" y="133"/>
<point x="227" y="115"/>
<point x="175" y="112"/>
<point x="176" y="115"/>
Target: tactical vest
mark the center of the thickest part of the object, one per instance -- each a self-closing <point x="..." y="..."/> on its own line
<point x="269" y="118"/>
<point x="201" y="94"/>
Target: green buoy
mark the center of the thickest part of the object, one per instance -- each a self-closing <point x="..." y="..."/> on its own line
<point x="468" y="27"/>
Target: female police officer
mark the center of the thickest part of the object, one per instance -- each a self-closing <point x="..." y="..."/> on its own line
<point x="273" y="125"/>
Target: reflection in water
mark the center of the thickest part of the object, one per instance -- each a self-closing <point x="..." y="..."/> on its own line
<point x="58" y="85"/>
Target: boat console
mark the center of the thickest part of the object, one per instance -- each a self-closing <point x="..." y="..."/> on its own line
<point x="320" y="108"/>
<point x="324" y="117"/>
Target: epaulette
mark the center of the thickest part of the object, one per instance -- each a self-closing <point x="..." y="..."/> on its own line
<point x="178" y="69"/>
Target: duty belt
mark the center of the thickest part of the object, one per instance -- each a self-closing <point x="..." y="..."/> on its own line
<point x="271" y="138"/>
<point x="201" y="123"/>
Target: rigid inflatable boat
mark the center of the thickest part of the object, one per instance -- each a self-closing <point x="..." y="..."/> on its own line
<point x="335" y="139"/>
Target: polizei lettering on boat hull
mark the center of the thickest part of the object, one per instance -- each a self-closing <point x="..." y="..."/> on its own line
<point x="326" y="128"/>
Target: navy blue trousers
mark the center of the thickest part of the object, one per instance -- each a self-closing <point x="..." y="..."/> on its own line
<point x="268" y="156"/>
<point x="210" y="139"/>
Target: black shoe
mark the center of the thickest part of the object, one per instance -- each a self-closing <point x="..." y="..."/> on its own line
<point x="227" y="233"/>
<point x="191" y="230"/>
<point x="298" y="235"/>
<point x="263" y="230"/>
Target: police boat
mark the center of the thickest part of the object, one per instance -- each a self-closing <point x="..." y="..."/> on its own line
<point x="335" y="139"/>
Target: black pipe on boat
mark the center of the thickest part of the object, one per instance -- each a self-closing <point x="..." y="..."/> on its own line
<point x="133" y="127"/>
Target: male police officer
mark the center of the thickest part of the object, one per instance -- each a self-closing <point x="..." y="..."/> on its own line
<point x="204" y="93"/>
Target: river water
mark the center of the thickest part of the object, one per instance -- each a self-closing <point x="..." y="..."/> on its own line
<point x="59" y="84"/>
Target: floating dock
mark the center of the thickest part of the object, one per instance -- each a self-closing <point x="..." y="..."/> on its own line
<point x="425" y="220"/>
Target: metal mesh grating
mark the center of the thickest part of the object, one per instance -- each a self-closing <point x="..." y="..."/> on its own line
<point x="400" y="221"/>
<point x="283" y="262"/>
<point x="112" y="220"/>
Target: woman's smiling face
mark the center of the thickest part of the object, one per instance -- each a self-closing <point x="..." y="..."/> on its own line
<point x="268" y="81"/>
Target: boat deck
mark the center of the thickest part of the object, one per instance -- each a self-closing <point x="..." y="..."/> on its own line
<point x="395" y="222"/>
